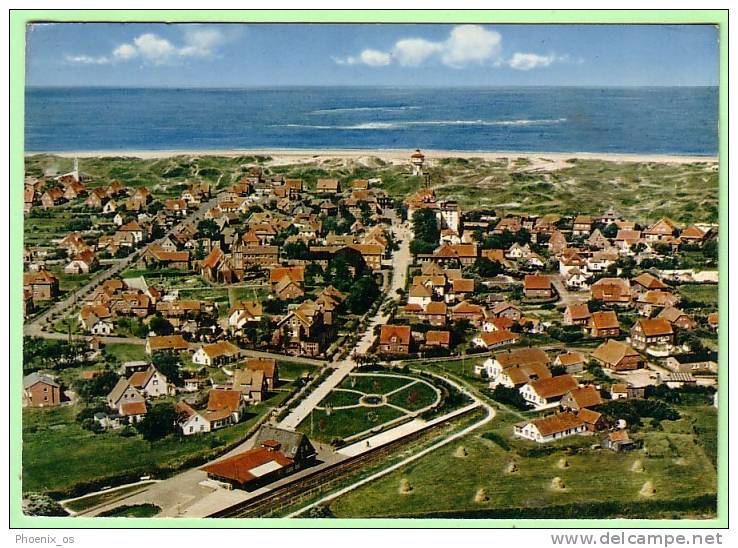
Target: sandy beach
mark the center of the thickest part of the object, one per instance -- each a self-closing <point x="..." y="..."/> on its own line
<point x="291" y="156"/>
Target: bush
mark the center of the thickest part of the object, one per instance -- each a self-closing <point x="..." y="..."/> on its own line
<point x="509" y="396"/>
<point x="36" y="504"/>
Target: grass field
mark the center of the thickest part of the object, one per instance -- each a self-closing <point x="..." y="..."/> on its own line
<point x="339" y="398"/>
<point x="343" y="423"/>
<point x="640" y="191"/>
<point x="414" y="397"/>
<point x="58" y="453"/>
<point x="134" y="511"/>
<point x="707" y="294"/>
<point x="374" y="384"/>
<point x="105" y="497"/>
<point x="680" y="469"/>
<point x="126" y="352"/>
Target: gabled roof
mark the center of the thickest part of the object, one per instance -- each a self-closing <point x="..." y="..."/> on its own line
<point x="437" y="337"/>
<point x="554" y="386"/>
<point x="498" y="337"/>
<point x="654" y="327"/>
<point x="133" y="408"/>
<point x="605" y="319"/>
<point x="35" y="377"/>
<point x="267" y="365"/>
<point x="579" y="311"/>
<point x="294" y="273"/>
<point x="289" y="441"/>
<point x="535" y="282"/>
<point x="671" y="314"/>
<point x="247" y="466"/>
<point x="402" y="332"/>
<point x="649" y="281"/>
<point x="612" y="352"/>
<point x="522" y="356"/>
<point x="221" y="398"/>
<point x="586" y="396"/>
<point x="557" y="423"/>
<point x="436" y="308"/>
<point x="174" y="342"/>
<point x="571" y="357"/>
<point x="221" y="348"/>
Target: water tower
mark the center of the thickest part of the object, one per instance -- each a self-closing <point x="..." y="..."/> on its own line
<point x="417" y="159"/>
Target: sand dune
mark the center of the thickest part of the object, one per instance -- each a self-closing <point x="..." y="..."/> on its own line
<point x="284" y="156"/>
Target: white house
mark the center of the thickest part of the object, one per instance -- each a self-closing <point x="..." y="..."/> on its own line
<point x="544" y="392"/>
<point x="151" y="383"/>
<point x="102" y="327"/>
<point x="551" y="428"/>
<point x="212" y="355"/>
<point x="419" y="295"/>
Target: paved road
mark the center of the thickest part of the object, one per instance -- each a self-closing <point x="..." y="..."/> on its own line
<point x="567" y="297"/>
<point x="36" y="326"/>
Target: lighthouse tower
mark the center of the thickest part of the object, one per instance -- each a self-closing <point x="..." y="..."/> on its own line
<point x="417" y="159"/>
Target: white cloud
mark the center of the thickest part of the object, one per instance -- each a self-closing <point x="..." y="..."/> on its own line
<point x="87" y="59"/>
<point x="369" y="57"/>
<point x="413" y="51"/>
<point x="470" y="44"/>
<point x="198" y="41"/>
<point x="125" y="52"/>
<point x="528" y="61"/>
<point x="466" y="45"/>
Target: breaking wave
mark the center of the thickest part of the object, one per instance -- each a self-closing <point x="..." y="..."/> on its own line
<point x="363" y="109"/>
<point x="406" y="124"/>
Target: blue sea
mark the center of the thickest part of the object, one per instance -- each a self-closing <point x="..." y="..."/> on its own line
<point x="664" y="120"/>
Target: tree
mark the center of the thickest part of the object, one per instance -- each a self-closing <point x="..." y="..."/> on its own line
<point x="296" y="250"/>
<point x="97" y="387"/>
<point x="610" y="231"/>
<point x="509" y="396"/>
<point x="154" y="207"/>
<point x="710" y="249"/>
<point x="161" y="326"/>
<point x="363" y="294"/>
<point x="486" y="268"/>
<point x="338" y="273"/>
<point x="158" y="422"/>
<point x="209" y="229"/>
<point x="313" y="274"/>
<point x="37" y="504"/>
<point x="426" y="230"/>
<point x="167" y="363"/>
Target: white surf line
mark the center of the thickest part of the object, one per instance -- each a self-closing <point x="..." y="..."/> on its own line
<point x="461" y="433"/>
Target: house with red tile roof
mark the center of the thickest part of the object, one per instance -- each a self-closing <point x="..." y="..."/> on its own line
<point x="394" y="339"/>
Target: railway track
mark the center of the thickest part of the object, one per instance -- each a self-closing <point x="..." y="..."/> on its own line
<point x="307" y="487"/>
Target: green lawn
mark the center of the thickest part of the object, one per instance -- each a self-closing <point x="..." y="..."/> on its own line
<point x="343" y="423"/>
<point x="58" y="453"/>
<point x="374" y="384"/>
<point x="414" y="397"/>
<point x="339" y="398"/>
<point x="682" y="469"/>
<point x="105" y="497"/>
<point x="126" y="352"/>
<point x="706" y="294"/>
<point x="134" y="511"/>
<point x="293" y="370"/>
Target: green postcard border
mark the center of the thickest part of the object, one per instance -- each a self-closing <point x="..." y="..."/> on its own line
<point x="18" y="21"/>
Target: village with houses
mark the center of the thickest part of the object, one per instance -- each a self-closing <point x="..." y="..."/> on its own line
<point x="235" y="346"/>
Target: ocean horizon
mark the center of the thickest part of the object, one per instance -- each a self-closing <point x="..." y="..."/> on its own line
<point x="568" y="119"/>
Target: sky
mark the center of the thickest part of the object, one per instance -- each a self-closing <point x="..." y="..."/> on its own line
<point x="271" y="55"/>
